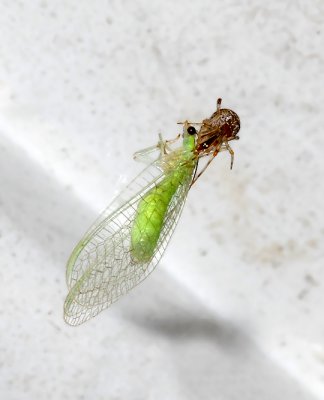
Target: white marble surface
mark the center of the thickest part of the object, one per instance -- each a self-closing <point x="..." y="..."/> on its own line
<point x="235" y="309"/>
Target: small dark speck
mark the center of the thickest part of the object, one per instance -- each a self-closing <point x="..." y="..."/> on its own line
<point x="312" y="243"/>
<point x="310" y="280"/>
<point x="203" y="252"/>
<point x="156" y="50"/>
<point x="203" y="61"/>
<point x="302" y="294"/>
<point x="236" y="217"/>
<point x="196" y="92"/>
<point x="265" y="283"/>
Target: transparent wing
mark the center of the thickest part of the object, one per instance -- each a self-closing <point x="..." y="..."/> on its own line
<point x="101" y="268"/>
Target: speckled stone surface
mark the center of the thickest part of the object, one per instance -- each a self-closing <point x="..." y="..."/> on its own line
<point x="235" y="309"/>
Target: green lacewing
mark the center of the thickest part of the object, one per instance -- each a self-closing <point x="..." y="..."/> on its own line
<point x="128" y="239"/>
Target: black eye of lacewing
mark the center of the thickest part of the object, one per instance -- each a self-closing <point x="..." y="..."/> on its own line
<point x="191" y="130"/>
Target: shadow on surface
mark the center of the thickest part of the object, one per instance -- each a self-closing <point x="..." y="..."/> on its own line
<point x="213" y="358"/>
<point x="40" y="207"/>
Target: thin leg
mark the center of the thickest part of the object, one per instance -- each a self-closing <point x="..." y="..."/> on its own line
<point x="173" y="140"/>
<point x="190" y="123"/>
<point x="162" y="146"/>
<point x="224" y="146"/>
<point x="209" y="131"/>
<point x="205" y="167"/>
<point x="143" y="155"/>
<point x="219" y="102"/>
<point x="167" y="142"/>
<point x="229" y="148"/>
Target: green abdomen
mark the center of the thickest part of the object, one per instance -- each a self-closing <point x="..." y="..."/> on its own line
<point x="149" y="220"/>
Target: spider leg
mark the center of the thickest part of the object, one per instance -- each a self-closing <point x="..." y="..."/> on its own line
<point x="229" y="148"/>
